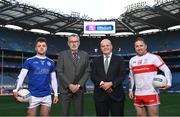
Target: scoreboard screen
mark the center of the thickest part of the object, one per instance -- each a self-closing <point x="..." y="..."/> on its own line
<point x="99" y="27"/>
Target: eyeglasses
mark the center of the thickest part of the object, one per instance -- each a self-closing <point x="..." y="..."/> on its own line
<point x="73" y="41"/>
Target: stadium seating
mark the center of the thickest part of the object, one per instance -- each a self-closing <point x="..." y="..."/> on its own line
<point x="24" y="42"/>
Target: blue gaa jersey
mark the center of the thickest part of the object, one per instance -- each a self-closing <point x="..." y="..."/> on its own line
<point x="39" y="74"/>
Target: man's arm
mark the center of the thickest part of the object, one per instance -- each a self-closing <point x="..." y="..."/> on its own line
<point x="131" y="84"/>
<point x="122" y="74"/>
<point x="54" y="87"/>
<point x="97" y="82"/>
<point x="20" y="79"/>
<point x="131" y="81"/>
<point x="54" y="83"/>
<point x="163" y="67"/>
<point x="60" y="70"/>
<point x="167" y="74"/>
<point x="86" y="74"/>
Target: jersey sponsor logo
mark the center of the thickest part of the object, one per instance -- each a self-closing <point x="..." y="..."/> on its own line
<point x="145" y="61"/>
<point x="35" y="62"/>
<point x="49" y="63"/>
<point x="39" y="70"/>
<point x="144" y="69"/>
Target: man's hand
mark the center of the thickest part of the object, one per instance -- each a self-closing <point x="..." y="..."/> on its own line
<point x="164" y="87"/>
<point x="106" y="85"/>
<point x="110" y="90"/>
<point x="55" y="100"/>
<point x="17" y="97"/>
<point x="101" y="83"/>
<point x="73" y="88"/>
<point x="131" y="95"/>
<point x="15" y="94"/>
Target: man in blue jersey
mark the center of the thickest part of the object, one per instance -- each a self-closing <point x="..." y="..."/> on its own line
<point x="41" y="73"/>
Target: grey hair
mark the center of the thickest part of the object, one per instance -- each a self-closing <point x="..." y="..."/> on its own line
<point x="73" y="35"/>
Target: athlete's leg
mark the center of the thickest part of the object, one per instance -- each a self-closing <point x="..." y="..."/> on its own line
<point x="140" y="111"/>
<point x="44" y="111"/>
<point x="153" y="111"/>
<point x="45" y="106"/>
<point x="33" y="106"/>
<point x="31" y="112"/>
<point x="139" y="106"/>
<point x="152" y="104"/>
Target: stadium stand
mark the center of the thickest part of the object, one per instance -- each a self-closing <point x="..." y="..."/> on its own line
<point x="24" y="42"/>
<point x="8" y="80"/>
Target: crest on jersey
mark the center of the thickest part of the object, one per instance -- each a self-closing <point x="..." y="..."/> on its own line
<point x="49" y="63"/>
<point x="35" y="62"/>
<point x="139" y="62"/>
<point x="146" y="60"/>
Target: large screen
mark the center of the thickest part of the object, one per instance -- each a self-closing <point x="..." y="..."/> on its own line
<point x="98" y="27"/>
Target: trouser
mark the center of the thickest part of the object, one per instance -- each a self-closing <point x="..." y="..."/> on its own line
<point x="103" y="108"/>
<point x="75" y="99"/>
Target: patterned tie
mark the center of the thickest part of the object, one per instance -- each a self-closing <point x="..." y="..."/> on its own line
<point x="75" y="57"/>
<point x="106" y="64"/>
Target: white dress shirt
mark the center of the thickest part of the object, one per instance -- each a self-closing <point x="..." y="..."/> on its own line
<point x="109" y="58"/>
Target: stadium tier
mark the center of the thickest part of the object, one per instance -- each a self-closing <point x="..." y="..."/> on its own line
<point x="16" y="46"/>
<point x="24" y="42"/>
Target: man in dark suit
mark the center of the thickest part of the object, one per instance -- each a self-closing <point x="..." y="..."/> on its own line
<point x="73" y="69"/>
<point x="108" y="73"/>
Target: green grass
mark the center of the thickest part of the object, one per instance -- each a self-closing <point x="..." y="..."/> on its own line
<point x="170" y="106"/>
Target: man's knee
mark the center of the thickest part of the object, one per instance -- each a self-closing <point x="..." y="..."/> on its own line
<point x="44" y="110"/>
<point x="31" y="112"/>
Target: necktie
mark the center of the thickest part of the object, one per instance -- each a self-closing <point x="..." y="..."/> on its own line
<point x="106" y="64"/>
<point x="75" y="57"/>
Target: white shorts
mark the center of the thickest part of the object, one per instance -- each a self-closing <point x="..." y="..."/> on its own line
<point x="36" y="101"/>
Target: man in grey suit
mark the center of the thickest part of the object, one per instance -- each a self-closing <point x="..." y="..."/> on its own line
<point x="73" y="69"/>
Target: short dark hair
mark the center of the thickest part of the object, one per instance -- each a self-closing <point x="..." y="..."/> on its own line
<point x="140" y="39"/>
<point x="41" y="39"/>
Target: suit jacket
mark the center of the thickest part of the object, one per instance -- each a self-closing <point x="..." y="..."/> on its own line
<point x="115" y="74"/>
<point x="70" y="72"/>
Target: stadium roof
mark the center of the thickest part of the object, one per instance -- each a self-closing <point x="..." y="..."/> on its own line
<point x="136" y="19"/>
